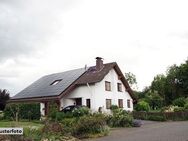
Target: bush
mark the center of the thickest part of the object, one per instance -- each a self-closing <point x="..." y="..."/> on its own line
<point x="137" y="123"/>
<point x="90" y="125"/>
<point x="169" y="108"/>
<point x="32" y="134"/>
<point x="52" y="127"/>
<point x="114" y="107"/>
<point x="156" y="118"/>
<point x="179" y="109"/>
<point x="59" y="116"/>
<point x="68" y="124"/>
<point x="180" y="102"/>
<point x="24" y="111"/>
<point x="142" y="106"/>
<point x="1" y="115"/>
<point x="53" y="109"/>
<point x="186" y="106"/>
<point x="120" y="118"/>
<point x="81" y="112"/>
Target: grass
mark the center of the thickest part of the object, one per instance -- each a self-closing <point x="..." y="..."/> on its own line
<point x="23" y="124"/>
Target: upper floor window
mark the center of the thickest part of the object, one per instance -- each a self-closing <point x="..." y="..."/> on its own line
<point x="107" y="86"/>
<point x="128" y="103"/>
<point x="120" y="103"/>
<point x="119" y="87"/>
<point x="56" y="82"/>
<point x="108" y="103"/>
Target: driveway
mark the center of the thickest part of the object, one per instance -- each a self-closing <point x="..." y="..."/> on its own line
<point x="150" y="131"/>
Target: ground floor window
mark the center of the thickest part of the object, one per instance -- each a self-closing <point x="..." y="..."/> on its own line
<point x="88" y="103"/>
<point x="128" y="103"/>
<point x="108" y="103"/>
<point x="120" y="103"/>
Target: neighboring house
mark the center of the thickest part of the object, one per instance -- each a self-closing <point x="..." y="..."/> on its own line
<point x="98" y="86"/>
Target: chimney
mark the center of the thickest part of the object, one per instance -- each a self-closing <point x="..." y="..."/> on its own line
<point x="99" y="63"/>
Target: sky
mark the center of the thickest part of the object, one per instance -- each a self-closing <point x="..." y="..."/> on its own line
<point x="40" y="37"/>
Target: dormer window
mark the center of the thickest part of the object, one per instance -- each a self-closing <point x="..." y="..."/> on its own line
<point x="55" y="82"/>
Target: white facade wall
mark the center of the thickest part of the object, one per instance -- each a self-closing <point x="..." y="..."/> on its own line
<point x="42" y="109"/>
<point x="98" y="95"/>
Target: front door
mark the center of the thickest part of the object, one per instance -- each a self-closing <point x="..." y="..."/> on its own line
<point x="78" y="101"/>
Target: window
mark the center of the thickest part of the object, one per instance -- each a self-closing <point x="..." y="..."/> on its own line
<point x="128" y="103"/>
<point x="119" y="87"/>
<point x="88" y="103"/>
<point x="55" y="82"/>
<point x="107" y="86"/>
<point x="120" y="103"/>
<point x="108" y="103"/>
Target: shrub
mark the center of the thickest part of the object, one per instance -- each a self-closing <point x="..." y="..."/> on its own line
<point x="142" y="106"/>
<point x="1" y="115"/>
<point x="88" y="125"/>
<point x="120" y="118"/>
<point x="180" y="102"/>
<point x="156" y="117"/>
<point x="114" y="107"/>
<point x="60" y="116"/>
<point x="81" y="112"/>
<point x="32" y="134"/>
<point x="186" y="106"/>
<point x="68" y="124"/>
<point x="52" y="127"/>
<point x="169" y="108"/>
<point x="53" y="109"/>
<point x="137" y="123"/>
<point x="179" y="109"/>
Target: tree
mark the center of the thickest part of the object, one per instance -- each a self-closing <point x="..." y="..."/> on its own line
<point x="142" y="106"/>
<point x="4" y="96"/>
<point x="154" y="99"/>
<point x="172" y="85"/>
<point x="131" y="78"/>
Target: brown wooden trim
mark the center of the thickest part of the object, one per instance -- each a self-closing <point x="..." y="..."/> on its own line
<point x="124" y="81"/>
<point x="33" y="99"/>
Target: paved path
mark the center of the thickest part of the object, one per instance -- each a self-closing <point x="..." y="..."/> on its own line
<point x="150" y="131"/>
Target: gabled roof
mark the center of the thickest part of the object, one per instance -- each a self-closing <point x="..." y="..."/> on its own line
<point x="44" y="86"/>
<point x="93" y="76"/>
<point x="43" y="89"/>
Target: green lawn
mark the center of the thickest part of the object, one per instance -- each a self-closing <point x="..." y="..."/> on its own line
<point x="20" y="124"/>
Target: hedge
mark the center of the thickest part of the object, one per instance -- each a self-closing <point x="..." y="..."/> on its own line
<point x="161" y="116"/>
<point x="26" y="111"/>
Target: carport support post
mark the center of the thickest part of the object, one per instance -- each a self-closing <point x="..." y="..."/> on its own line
<point x="46" y="105"/>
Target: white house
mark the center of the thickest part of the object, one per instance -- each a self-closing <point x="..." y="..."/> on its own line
<point x="99" y="86"/>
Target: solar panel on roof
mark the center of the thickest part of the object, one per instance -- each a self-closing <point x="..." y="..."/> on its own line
<point x="43" y="87"/>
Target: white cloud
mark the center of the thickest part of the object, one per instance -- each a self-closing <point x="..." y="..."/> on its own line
<point x="144" y="37"/>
